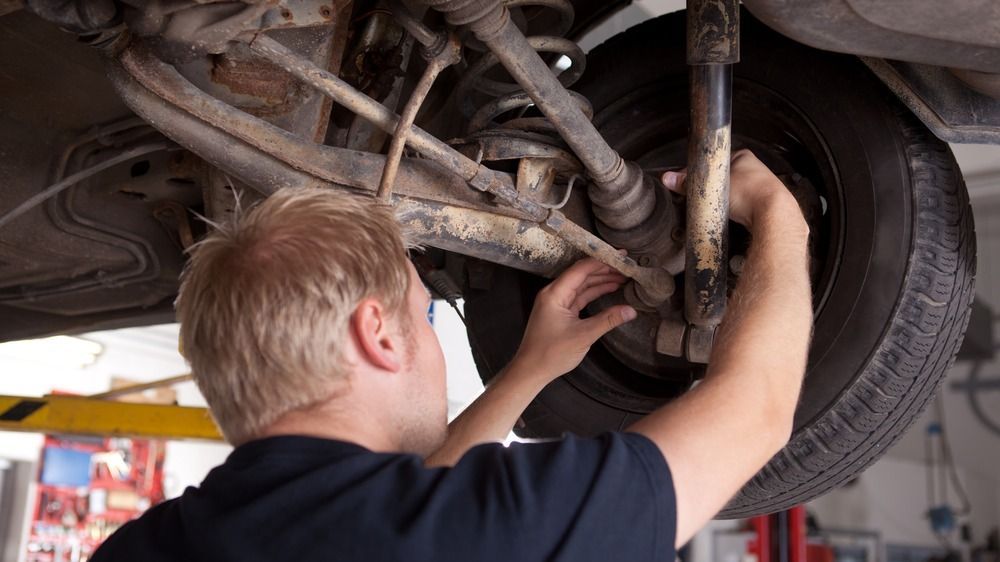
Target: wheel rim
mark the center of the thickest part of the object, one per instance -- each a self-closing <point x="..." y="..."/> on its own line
<point x="649" y="126"/>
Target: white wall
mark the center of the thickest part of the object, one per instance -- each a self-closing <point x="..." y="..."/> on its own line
<point x="633" y="14"/>
<point x="464" y="384"/>
<point x="891" y="498"/>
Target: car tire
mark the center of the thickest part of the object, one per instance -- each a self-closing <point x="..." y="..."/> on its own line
<point x="896" y="253"/>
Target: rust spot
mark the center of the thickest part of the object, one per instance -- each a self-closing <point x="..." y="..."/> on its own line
<point x="275" y="88"/>
<point x="476" y="227"/>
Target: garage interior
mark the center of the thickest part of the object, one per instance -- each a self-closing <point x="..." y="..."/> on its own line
<point x="881" y="516"/>
<point x="933" y="496"/>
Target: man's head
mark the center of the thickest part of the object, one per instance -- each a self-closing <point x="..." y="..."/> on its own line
<point x="307" y="300"/>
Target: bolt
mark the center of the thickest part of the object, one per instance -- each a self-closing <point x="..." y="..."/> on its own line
<point x="644" y="261"/>
<point x="736" y="264"/>
<point x="325" y="11"/>
<point x="285" y="13"/>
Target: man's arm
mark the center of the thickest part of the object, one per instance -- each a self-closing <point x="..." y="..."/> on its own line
<point x="555" y="341"/>
<point x="719" y="434"/>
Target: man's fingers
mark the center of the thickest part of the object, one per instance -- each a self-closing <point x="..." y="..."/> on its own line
<point x="674" y="181"/>
<point x="600" y="279"/>
<point x="586" y="297"/>
<point x="607" y="320"/>
<point x="570" y="280"/>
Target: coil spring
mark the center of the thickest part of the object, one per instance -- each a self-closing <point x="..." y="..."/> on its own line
<point x="509" y="96"/>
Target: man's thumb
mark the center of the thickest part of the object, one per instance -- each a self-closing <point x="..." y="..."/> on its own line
<point x="609" y="319"/>
<point x="674" y="181"/>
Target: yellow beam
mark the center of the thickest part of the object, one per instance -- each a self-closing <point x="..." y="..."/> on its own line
<point x="78" y="415"/>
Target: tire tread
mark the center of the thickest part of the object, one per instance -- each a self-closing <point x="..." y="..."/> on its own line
<point x="903" y="375"/>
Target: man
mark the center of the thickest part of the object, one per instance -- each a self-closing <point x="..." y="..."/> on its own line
<point x="305" y="326"/>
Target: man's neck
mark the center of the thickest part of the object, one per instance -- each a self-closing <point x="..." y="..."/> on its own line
<point x="335" y="419"/>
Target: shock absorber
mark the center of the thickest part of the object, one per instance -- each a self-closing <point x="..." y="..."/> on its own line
<point x="712" y="49"/>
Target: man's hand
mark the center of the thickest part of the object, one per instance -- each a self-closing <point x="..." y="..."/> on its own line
<point x="556" y="338"/>
<point x="554" y="343"/>
<point x="754" y="189"/>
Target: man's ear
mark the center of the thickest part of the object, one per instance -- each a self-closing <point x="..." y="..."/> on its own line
<point x="378" y="344"/>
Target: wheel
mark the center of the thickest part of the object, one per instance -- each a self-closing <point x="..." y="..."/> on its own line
<point x="893" y="249"/>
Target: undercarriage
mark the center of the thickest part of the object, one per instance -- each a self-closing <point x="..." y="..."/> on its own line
<point x="509" y="153"/>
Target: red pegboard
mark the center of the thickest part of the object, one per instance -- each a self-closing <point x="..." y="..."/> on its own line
<point x="70" y="520"/>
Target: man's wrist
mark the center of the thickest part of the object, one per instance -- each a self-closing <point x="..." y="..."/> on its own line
<point x="526" y="370"/>
<point x="781" y="215"/>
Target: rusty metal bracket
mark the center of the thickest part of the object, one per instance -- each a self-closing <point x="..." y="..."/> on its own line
<point x="712" y="49"/>
<point x="449" y="53"/>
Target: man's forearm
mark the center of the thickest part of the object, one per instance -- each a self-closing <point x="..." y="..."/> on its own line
<point x="492" y="416"/>
<point x="555" y="341"/>
<point x="769" y="323"/>
<point x="721" y="432"/>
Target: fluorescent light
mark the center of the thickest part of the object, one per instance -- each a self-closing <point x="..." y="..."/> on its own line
<point x="56" y="351"/>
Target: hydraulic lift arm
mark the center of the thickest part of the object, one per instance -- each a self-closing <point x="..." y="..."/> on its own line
<point x="81" y="415"/>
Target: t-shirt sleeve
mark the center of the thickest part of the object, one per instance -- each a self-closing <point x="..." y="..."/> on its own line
<point x="606" y="498"/>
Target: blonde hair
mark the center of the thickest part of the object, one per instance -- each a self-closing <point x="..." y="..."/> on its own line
<point x="265" y="302"/>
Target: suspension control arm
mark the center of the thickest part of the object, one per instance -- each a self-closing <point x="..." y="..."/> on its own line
<point x="656" y="284"/>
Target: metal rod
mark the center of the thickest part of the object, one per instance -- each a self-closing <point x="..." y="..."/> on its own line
<point x="219" y="145"/>
<point x="708" y="195"/>
<point x="713" y="32"/>
<point x="412" y="25"/>
<point x="712" y="49"/>
<point x="657" y="284"/>
<point x="504" y="240"/>
<point x="438" y="209"/>
<point x="140" y="387"/>
<point x="618" y="193"/>
<point x="343" y="93"/>
<point x="210" y="127"/>
<point x="449" y="54"/>
<point x="515" y="53"/>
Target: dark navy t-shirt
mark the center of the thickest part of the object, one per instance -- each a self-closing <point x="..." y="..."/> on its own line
<point x="303" y="498"/>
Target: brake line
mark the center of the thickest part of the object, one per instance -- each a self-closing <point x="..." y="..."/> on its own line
<point x="72" y="180"/>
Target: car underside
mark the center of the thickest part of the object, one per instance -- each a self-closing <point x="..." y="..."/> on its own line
<point x="509" y="153"/>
